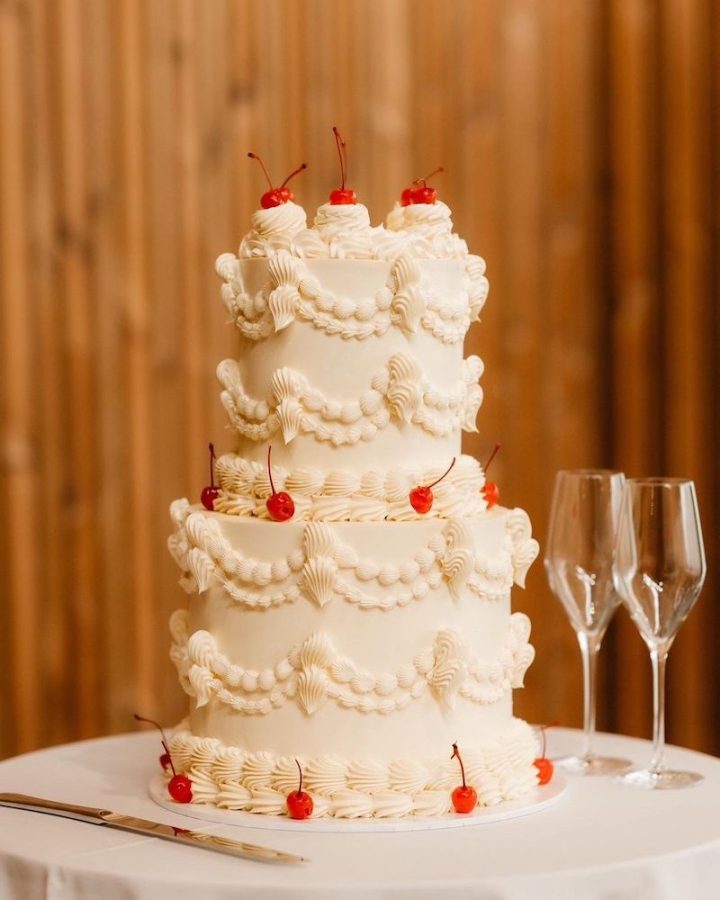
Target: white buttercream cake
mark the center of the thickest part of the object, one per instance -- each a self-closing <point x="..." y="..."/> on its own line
<point x="359" y="637"/>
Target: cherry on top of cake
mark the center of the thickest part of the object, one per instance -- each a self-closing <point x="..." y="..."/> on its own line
<point x="276" y="196"/>
<point x="342" y="196"/>
<point x="341" y="217"/>
<point x="419" y="225"/>
<point x="420" y="191"/>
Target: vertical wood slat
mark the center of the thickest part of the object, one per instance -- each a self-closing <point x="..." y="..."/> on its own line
<point x="521" y="301"/>
<point x="688" y="318"/>
<point x="137" y="342"/>
<point x="635" y="284"/>
<point x="171" y="461"/>
<point x="125" y="129"/>
<point x="714" y="333"/>
<point x="79" y="345"/>
<point x="571" y="305"/>
<point x="105" y="193"/>
<point x="20" y="613"/>
<point x="55" y="638"/>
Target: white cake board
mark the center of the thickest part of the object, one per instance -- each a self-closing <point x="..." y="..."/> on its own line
<point x="538" y="799"/>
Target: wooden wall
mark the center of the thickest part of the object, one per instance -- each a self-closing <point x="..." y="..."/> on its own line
<point x="581" y="142"/>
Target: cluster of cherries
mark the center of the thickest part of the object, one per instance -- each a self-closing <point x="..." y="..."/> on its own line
<point x="276" y="196"/>
<point x="418" y="192"/>
<point x="281" y="506"/>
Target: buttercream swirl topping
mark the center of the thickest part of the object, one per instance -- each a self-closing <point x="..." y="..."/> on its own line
<point x="427" y="230"/>
<point x="339" y="232"/>
<point x="345" y="232"/>
<point x="339" y="495"/>
<point x="272" y="230"/>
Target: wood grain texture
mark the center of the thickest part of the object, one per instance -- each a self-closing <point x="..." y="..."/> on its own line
<point x="581" y="142"/>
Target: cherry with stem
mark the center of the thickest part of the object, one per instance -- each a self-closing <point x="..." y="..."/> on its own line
<point x="276" y="196"/>
<point x="421" y="498"/>
<point x="490" y="490"/>
<point x="280" y="505"/>
<point x="342" y="196"/>
<point x="419" y="191"/>
<point x="211" y="492"/>
<point x="299" y="803"/>
<point x="179" y="786"/>
<point x="542" y="763"/>
<point x="423" y="192"/>
<point x="464" y="797"/>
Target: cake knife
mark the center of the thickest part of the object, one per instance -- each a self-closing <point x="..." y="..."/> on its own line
<point x="152" y="829"/>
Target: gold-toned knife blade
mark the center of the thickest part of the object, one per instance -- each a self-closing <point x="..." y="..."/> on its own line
<point x="151" y="829"/>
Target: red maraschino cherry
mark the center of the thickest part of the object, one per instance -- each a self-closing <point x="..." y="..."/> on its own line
<point x="542" y="763"/>
<point x="179" y="786"/>
<point x="421" y="498"/>
<point x="279" y="504"/>
<point x="464" y="797"/>
<point x="342" y="196"/>
<point x="299" y="803"/>
<point x="211" y="493"/>
<point x="276" y="196"/>
<point x="490" y="491"/>
<point x="420" y="191"/>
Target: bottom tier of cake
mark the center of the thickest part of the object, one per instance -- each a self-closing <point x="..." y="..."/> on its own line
<point x="361" y="649"/>
<point x="230" y="778"/>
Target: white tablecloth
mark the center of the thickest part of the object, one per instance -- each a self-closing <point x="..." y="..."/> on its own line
<point x="600" y="840"/>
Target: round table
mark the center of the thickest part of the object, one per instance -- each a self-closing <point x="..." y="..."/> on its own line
<point x="600" y="840"/>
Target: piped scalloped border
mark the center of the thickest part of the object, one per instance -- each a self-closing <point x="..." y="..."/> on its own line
<point x="314" y="672"/>
<point x="406" y="301"/>
<point x="228" y="777"/>
<point x="318" y="570"/>
<point x="399" y="391"/>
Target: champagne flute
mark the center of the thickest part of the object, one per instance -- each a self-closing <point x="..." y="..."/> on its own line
<point x="660" y="569"/>
<point x="579" y="565"/>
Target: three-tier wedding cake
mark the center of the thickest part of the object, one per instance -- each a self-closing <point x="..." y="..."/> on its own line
<point x="350" y="596"/>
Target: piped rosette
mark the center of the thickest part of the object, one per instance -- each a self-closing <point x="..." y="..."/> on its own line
<point x="339" y="232"/>
<point x="272" y="230"/>
<point x="427" y="229"/>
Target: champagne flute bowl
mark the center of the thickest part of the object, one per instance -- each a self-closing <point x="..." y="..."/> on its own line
<point x="579" y="563"/>
<point x="660" y="570"/>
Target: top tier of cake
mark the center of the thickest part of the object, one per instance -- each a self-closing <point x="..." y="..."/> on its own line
<point x="352" y="363"/>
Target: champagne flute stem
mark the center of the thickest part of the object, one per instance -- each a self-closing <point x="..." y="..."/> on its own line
<point x="658" y="658"/>
<point x="589" y="646"/>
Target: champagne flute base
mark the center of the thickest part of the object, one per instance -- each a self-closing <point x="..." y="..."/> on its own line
<point x="660" y="780"/>
<point x="592" y="765"/>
